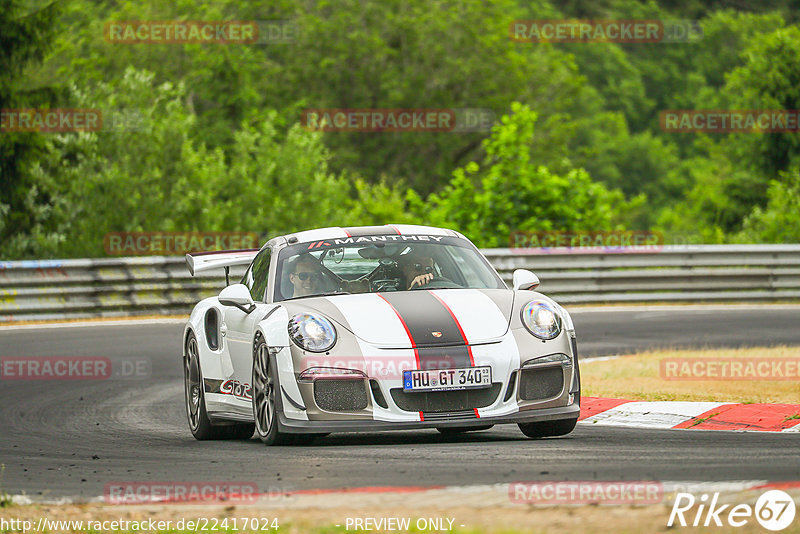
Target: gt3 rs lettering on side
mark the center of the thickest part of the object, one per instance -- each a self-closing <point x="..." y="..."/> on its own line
<point x="375" y="328"/>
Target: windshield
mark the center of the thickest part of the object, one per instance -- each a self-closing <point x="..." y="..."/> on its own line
<point x="375" y="263"/>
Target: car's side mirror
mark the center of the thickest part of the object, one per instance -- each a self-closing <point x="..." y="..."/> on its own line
<point x="237" y="295"/>
<point x="524" y="279"/>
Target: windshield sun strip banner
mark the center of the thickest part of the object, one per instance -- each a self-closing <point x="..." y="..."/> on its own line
<point x="365" y="231"/>
<point x="367" y="239"/>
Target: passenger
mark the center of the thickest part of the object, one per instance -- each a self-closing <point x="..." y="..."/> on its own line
<point x="306" y="276"/>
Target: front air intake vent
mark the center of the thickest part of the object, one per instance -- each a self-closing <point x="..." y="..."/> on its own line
<point x="211" y="326"/>
<point x="510" y="389"/>
<point x="543" y="383"/>
<point x="377" y="394"/>
<point x="340" y="395"/>
<point x="446" y="401"/>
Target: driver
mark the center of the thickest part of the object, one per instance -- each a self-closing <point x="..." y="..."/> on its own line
<point x="306" y="276"/>
<point x="417" y="269"/>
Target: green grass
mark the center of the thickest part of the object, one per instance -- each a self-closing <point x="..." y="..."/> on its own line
<point x="5" y="498"/>
<point x="639" y="377"/>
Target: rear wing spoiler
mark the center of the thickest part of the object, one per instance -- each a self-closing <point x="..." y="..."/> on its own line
<point x="201" y="262"/>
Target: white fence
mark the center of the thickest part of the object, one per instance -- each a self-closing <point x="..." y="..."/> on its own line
<point x="58" y="289"/>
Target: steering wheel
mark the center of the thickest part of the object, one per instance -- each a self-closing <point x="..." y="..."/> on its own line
<point x="385" y="284"/>
<point x="354" y="286"/>
<point x="439" y="282"/>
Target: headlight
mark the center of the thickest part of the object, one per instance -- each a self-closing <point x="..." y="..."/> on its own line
<point x="541" y="319"/>
<point x="312" y="332"/>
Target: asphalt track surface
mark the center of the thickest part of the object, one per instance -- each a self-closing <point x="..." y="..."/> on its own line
<point x="71" y="438"/>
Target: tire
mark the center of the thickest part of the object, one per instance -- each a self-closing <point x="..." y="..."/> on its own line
<point x="239" y="430"/>
<point x="454" y="431"/>
<point x="194" y="395"/>
<point x="545" y="429"/>
<point x="306" y="439"/>
<point x="265" y="386"/>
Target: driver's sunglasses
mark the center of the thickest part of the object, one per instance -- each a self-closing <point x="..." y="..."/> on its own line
<point x="306" y="275"/>
<point x="418" y="267"/>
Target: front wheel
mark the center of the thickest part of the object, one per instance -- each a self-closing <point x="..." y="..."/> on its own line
<point x="546" y="429"/>
<point x="265" y="387"/>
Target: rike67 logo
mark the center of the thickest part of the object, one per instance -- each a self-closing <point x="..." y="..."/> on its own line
<point x="774" y="510"/>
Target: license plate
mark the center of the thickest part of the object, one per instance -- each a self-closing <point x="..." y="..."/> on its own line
<point x="447" y="379"/>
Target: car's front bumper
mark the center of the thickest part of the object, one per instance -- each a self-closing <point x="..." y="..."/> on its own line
<point x="294" y="426"/>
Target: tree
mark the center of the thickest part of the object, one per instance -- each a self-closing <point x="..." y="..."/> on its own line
<point x="510" y="192"/>
<point x="770" y="79"/>
<point x="24" y="39"/>
<point x="779" y="220"/>
<point x="149" y="174"/>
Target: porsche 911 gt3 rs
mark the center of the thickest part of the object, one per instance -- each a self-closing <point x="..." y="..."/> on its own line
<point x="375" y="328"/>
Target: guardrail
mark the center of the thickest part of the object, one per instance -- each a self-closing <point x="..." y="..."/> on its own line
<point x="113" y="287"/>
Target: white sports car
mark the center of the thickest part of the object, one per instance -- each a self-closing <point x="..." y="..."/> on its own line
<point x="391" y="327"/>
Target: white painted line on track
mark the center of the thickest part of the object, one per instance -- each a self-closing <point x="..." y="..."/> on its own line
<point x="679" y="307"/>
<point x="476" y="495"/>
<point x="590" y="359"/>
<point x="98" y="323"/>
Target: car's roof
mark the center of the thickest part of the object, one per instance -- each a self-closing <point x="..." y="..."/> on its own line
<point x="338" y="232"/>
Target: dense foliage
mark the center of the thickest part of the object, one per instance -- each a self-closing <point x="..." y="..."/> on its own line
<point x="218" y="143"/>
